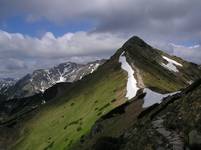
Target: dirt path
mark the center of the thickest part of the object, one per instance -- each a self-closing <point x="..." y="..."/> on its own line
<point x="173" y="138"/>
<point x="140" y="82"/>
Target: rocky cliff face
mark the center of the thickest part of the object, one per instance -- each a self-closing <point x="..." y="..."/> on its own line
<point x="5" y="83"/>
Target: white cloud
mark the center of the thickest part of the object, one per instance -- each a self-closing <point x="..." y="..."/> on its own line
<point x="191" y="53"/>
<point x="49" y="46"/>
<point x="20" y="54"/>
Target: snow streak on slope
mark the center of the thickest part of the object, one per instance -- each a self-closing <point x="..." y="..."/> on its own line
<point x="171" y="64"/>
<point x="172" y="61"/>
<point x="94" y="67"/>
<point x="152" y="97"/>
<point x="131" y="83"/>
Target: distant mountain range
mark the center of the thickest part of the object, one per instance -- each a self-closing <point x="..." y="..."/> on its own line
<point x="140" y="98"/>
<point x="42" y="79"/>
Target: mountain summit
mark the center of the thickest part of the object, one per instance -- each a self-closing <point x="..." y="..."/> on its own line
<point x="135" y="40"/>
<point x="158" y="69"/>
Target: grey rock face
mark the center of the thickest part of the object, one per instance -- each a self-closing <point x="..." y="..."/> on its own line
<point x="42" y="79"/>
<point x="5" y="83"/>
<point x="173" y="138"/>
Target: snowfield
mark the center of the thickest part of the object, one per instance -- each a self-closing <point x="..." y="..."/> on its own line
<point x="152" y="97"/>
<point x="131" y="83"/>
<point x="172" y="64"/>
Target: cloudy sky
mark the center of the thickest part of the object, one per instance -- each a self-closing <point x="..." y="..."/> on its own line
<point x="41" y="33"/>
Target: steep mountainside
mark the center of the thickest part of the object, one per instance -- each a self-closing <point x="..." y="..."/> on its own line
<point x="172" y="125"/>
<point x="159" y="71"/>
<point x="42" y="79"/>
<point x="99" y="108"/>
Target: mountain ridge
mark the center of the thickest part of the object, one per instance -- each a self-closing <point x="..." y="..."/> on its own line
<point x="71" y="111"/>
<point x="42" y="79"/>
<point x="150" y="62"/>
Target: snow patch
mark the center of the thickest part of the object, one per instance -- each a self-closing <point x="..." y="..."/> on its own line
<point x="43" y="102"/>
<point x="152" y="97"/>
<point x="131" y="83"/>
<point x="190" y="82"/>
<point x="171" y="65"/>
<point x="66" y="70"/>
<point x="81" y="76"/>
<point x="172" y="61"/>
<point x="61" y="79"/>
<point x="95" y="67"/>
<point x="42" y="87"/>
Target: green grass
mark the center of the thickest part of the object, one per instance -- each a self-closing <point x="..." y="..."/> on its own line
<point x="59" y="125"/>
<point x="153" y="74"/>
<point x="160" y="83"/>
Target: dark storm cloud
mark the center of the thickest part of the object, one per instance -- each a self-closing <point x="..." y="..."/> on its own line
<point x="170" y="21"/>
<point x="167" y="19"/>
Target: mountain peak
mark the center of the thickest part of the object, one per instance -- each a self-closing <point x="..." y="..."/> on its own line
<point x="137" y="41"/>
<point x="42" y="79"/>
<point x="135" y="38"/>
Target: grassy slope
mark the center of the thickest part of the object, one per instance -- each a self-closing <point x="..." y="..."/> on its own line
<point x="58" y="126"/>
<point x="155" y="76"/>
<point x="113" y="126"/>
